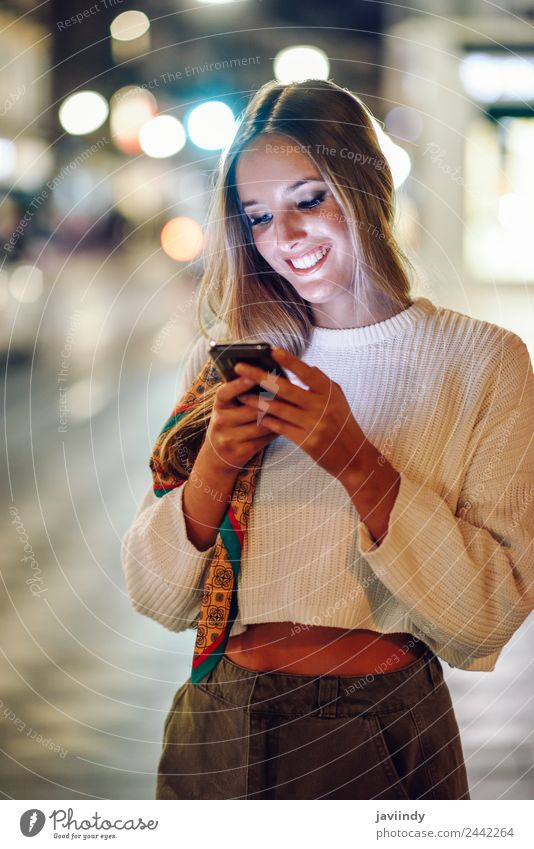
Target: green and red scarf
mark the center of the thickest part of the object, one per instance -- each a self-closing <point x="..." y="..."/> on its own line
<point x="218" y="608"/>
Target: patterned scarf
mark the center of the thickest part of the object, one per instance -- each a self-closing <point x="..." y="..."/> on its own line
<point x="219" y="600"/>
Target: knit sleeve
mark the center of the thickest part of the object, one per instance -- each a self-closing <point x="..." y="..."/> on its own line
<point x="466" y="579"/>
<point x="163" y="569"/>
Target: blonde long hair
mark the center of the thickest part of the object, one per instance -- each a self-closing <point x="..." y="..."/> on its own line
<point x="238" y="286"/>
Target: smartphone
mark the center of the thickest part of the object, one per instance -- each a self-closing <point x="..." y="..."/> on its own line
<point x="226" y="356"/>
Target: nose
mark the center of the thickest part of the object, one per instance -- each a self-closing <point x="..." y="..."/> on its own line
<point x="290" y="230"/>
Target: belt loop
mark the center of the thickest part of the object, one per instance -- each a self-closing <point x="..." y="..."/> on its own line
<point x="252" y="681"/>
<point x="434" y="669"/>
<point x="327" y="695"/>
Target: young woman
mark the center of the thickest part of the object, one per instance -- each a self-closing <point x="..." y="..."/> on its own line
<point x="392" y="518"/>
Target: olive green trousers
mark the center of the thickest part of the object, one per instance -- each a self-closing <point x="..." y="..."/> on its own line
<point x="273" y="735"/>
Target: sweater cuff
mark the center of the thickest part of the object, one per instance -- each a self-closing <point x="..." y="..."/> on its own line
<point x="394" y="541"/>
<point x="187" y="547"/>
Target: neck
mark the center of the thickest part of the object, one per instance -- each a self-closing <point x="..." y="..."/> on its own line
<point x="356" y="313"/>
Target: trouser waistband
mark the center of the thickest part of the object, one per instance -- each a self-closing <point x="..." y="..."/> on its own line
<point x="329" y="695"/>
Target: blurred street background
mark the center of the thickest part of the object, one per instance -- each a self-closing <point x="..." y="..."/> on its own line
<point x="112" y="118"/>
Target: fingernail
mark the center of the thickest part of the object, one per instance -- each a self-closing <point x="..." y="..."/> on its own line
<point x="246" y="381"/>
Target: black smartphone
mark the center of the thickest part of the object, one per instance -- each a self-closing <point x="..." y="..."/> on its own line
<point x="226" y="356"/>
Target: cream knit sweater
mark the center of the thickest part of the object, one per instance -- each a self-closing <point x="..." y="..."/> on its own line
<point x="449" y="401"/>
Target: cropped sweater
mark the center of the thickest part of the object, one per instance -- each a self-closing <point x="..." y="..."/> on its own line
<point x="448" y="400"/>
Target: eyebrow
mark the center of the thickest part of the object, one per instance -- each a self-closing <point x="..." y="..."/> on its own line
<point x="289" y="189"/>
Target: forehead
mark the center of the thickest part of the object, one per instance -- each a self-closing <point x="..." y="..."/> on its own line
<point x="271" y="158"/>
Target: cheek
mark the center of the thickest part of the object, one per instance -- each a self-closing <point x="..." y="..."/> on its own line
<point x="262" y="243"/>
<point x="338" y="226"/>
<point x="332" y="220"/>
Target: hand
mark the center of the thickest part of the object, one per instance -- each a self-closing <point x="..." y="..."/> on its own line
<point x="234" y="435"/>
<point x="318" y="420"/>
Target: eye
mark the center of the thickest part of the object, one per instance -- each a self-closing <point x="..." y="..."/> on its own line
<point x="309" y="204"/>
<point x="303" y="204"/>
<point x="260" y="220"/>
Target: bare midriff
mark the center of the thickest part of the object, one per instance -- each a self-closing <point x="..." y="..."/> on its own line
<point x="320" y="650"/>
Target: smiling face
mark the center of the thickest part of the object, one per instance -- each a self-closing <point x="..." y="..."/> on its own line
<point x="297" y="224"/>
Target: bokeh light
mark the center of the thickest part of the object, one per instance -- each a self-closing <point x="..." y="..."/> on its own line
<point x="8" y="158"/>
<point x="129" y="25"/>
<point x="211" y="125"/>
<point x="26" y="283"/>
<point x="162" y="136"/>
<point x="299" y="63"/>
<point x="490" y="78"/>
<point x="404" y="123"/>
<point x="398" y="159"/>
<point x="34" y="163"/>
<point x="182" y="239"/>
<point x="131" y="108"/>
<point x="83" y="112"/>
<point x="139" y="189"/>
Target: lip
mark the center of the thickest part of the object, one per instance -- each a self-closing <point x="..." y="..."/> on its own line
<point x="315" y="267"/>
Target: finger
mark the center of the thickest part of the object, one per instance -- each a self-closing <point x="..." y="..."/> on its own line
<point x="310" y="375"/>
<point x="281" y="428"/>
<point x="228" y="392"/>
<point x="262" y="441"/>
<point x="281" y="409"/>
<point x="275" y="383"/>
<point x="235" y="416"/>
<point x="267" y="437"/>
<point x="250" y="432"/>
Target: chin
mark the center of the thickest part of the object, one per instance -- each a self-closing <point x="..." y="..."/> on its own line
<point x="321" y="297"/>
<point x="326" y="285"/>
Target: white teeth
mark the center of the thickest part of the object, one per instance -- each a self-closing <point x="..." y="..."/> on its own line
<point x="309" y="260"/>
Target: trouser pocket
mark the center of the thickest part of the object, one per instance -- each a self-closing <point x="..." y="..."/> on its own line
<point x="177" y="696"/>
<point x="204" y="748"/>
<point x="396" y="737"/>
<point x="441" y="746"/>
